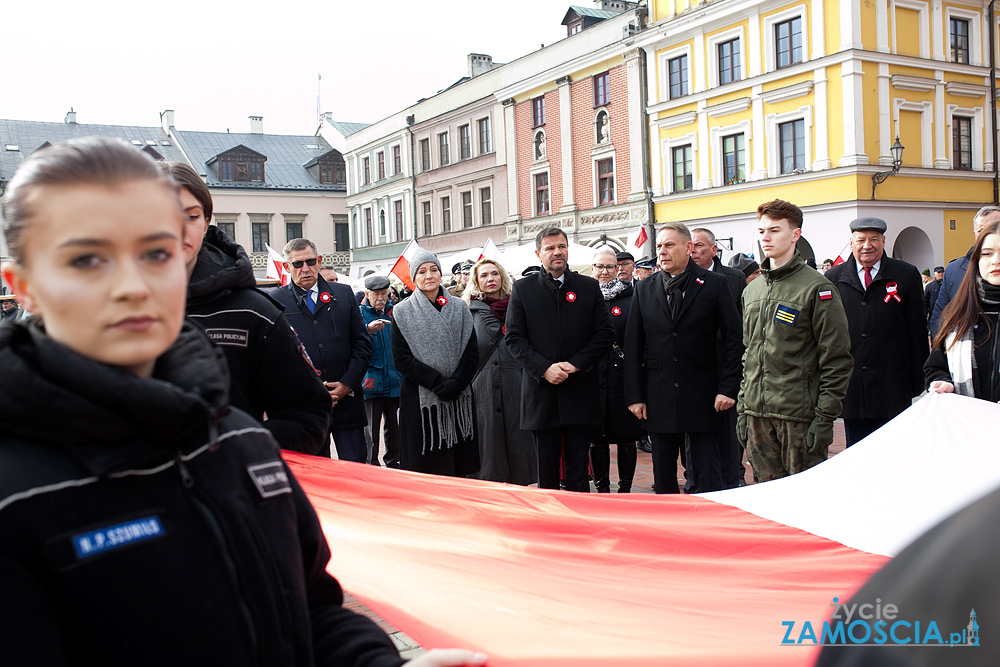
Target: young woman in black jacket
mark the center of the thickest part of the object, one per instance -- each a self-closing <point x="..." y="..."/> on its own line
<point x="142" y="521"/>
<point x="965" y="356"/>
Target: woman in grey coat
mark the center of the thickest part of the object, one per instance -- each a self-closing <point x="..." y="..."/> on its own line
<point x="506" y="453"/>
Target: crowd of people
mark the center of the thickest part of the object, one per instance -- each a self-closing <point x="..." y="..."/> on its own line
<point x="176" y="382"/>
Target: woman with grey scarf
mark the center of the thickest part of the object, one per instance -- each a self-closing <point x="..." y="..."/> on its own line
<point x="434" y="348"/>
<point x="965" y="358"/>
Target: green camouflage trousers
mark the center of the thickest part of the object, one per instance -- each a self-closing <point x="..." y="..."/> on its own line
<point x="776" y="448"/>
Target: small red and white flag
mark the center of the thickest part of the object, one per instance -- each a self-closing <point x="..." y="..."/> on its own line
<point x="401" y="269"/>
<point x="637" y="239"/>
<point x="276" y="266"/>
<point x="844" y="254"/>
<point x="825" y="294"/>
<point x="490" y="251"/>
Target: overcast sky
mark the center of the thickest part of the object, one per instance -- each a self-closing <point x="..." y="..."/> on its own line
<point x="215" y="63"/>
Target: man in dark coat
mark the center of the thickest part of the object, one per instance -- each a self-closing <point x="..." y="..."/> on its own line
<point x="955" y="271"/>
<point x="706" y="255"/>
<point x="675" y="378"/>
<point x="329" y="324"/>
<point x="558" y="328"/>
<point x="932" y="289"/>
<point x="883" y="300"/>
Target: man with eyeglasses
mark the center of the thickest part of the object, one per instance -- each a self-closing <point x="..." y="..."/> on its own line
<point x="625" y="268"/>
<point x="326" y="318"/>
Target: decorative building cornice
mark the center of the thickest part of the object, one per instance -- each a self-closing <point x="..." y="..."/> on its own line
<point x="787" y="92"/>
<point x="726" y="108"/>
<point x="917" y="83"/>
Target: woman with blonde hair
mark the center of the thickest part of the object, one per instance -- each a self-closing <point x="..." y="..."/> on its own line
<point x="506" y="452"/>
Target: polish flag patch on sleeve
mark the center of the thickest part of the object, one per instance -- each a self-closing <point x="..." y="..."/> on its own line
<point x="825" y="294"/>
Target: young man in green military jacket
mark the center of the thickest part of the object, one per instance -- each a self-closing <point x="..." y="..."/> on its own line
<point x="797" y="363"/>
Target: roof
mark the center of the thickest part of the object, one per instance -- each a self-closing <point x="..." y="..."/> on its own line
<point x="589" y="12"/>
<point x="28" y="135"/>
<point x="286" y="155"/>
<point x="346" y="128"/>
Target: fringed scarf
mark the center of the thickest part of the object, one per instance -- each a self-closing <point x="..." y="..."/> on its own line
<point x="613" y="288"/>
<point x="431" y="335"/>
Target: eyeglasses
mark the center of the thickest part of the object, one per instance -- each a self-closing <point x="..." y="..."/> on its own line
<point x="310" y="262"/>
<point x="625" y="264"/>
<point x="605" y="267"/>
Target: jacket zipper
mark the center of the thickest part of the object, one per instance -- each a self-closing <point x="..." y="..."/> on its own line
<point x="763" y="343"/>
<point x="187" y="480"/>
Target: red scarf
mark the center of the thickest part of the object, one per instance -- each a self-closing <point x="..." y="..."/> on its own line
<point x="498" y="306"/>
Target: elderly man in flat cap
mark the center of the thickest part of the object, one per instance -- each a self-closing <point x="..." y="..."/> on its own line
<point x="883" y="299"/>
<point x="625" y="267"/>
<point x="382" y="381"/>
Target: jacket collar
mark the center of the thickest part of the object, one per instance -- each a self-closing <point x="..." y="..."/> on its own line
<point x="793" y="265"/>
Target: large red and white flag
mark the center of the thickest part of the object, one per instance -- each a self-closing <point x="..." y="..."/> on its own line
<point x="276" y="266"/>
<point x="401" y="269"/>
<point x="490" y="251"/>
<point x="552" y="578"/>
<point x="636" y="242"/>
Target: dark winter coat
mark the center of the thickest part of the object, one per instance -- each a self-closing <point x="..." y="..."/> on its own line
<point x="269" y="373"/>
<point x="954" y="273"/>
<point x="336" y="340"/>
<point x="142" y="522"/>
<point x="620" y="425"/>
<point x="735" y="280"/>
<point x="381" y="379"/>
<point x="888" y="337"/>
<point x="547" y="323"/>
<point x="462" y="458"/>
<point x="986" y="348"/>
<point x="506" y="452"/>
<point x="931" y="292"/>
<point x="674" y="367"/>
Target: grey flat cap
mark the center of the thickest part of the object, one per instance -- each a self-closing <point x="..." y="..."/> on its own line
<point x="376" y="283"/>
<point x="875" y="224"/>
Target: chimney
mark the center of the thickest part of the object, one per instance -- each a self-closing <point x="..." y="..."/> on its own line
<point x="256" y="124"/>
<point x="70" y="117"/>
<point x="479" y="63"/>
<point x="167" y="119"/>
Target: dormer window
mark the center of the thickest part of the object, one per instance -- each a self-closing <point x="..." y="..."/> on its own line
<point x="240" y="165"/>
<point x="329" y="168"/>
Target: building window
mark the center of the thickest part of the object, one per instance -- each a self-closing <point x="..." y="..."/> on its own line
<point x="602" y="92"/>
<point x="606" y="181"/>
<point x="733" y="159"/>
<point x="225" y="170"/>
<point x="788" y="42"/>
<point x="792" y="151"/>
<point x="397" y="161"/>
<point x="538" y="112"/>
<point x="486" y="205"/>
<point x="466" y="210"/>
<point x="369" y="232"/>
<point x="427" y="218"/>
<point x="959" y="40"/>
<point x="729" y="61"/>
<point x="425" y="155"/>
<point x="261" y="235"/>
<point x="325" y="173"/>
<point x="465" y="141"/>
<point x="381" y="225"/>
<point x="397" y="209"/>
<point x="445" y="214"/>
<point x="366" y="171"/>
<point x="380" y="158"/>
<point x="542" y="193"/>
<point x="683" y="173"/>
<point x="342" y="236"/>
<point x="678" y="68"/>
<point x="293" y="230"/>
<point x="241" y="169"/>
<point x="443" y="149"/>
<point x="228" y="228"/>
<point x="484" y="135"/>
<point x="340" y="173"/>
<point x="961" y="143"/>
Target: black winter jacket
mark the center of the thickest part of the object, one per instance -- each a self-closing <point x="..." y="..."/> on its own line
<point x="143" y="522"/>
<point x="269" y="374"/>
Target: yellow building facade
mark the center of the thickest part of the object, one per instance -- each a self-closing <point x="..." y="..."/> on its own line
<point x="802" y="100"/>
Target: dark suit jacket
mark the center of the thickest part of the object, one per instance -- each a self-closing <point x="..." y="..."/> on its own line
<point x="675" y="367"/>
<point x="547" y="323"/>
<point x="735" y="281"/>
<point x="888" y="338"/>
<point x="337" y="341"/>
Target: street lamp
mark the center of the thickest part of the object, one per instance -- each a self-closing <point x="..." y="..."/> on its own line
<point x="897" y="161"/>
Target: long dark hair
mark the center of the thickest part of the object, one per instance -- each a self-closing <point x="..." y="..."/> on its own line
<point x="964" y="310"/>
